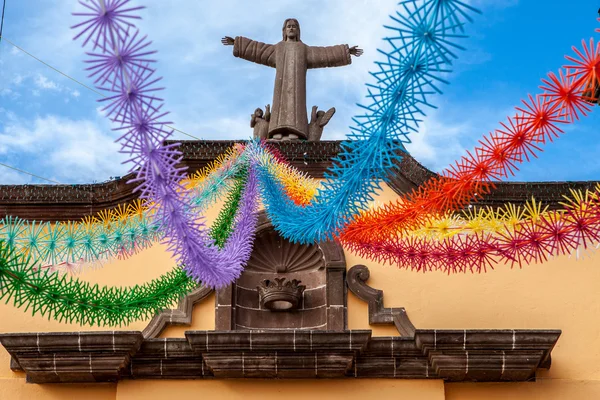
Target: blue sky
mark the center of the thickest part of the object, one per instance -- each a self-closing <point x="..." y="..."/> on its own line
<point x="53" y="127"/>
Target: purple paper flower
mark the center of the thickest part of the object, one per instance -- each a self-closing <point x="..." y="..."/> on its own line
<point x="107" y="23"/>
<point x="132" y="56"/>
<point x="123" y="70"/>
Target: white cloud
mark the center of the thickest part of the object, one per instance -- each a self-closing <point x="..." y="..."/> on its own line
<point x="210" y="93"/>
<point x="9" y="93"/>
<point x="18" y="79"/>
<point x="42" y="82"/>
<point x="438" y="144"/>
<point x="62" y="149"/>
<point x="12" y="177"/>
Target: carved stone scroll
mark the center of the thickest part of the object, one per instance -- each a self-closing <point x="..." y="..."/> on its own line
<point x="378" y="314"/>
<point x="182" y="315"/>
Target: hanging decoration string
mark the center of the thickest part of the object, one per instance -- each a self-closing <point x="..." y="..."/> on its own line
<point x="420" y="55"/>
<point x="70" y="300"/>
<point x="122" y="67"/>
<point x="564" y="100"/>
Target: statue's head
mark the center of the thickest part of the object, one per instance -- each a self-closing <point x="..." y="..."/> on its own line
<point x="258" y="113"/>
<point x="291" y="30"/>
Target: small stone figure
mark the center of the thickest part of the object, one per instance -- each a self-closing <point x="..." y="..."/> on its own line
<point x="318" y="120"/>
<point x="260" y="123"/>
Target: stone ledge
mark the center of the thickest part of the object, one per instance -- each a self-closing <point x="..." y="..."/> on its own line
<point x="279" y="355"/>
<point x="72" y="357"/>
<point x="456" y="356"/>
<point x="507" y="355"/>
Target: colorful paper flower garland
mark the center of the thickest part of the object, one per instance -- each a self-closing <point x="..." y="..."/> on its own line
<point x="537" y="122"/>
<point x="123" y="69"/>
<point x="420" y="54"/>
<point x="71" y="300"/>
<point x="117" y="233"/>
<point x="300" y="208"/>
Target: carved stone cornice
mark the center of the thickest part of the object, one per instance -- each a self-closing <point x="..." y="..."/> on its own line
<point x="72" y="202"/>
<point x="72" y="357"/>
<point x="457" y="356"/>
<point x="292" y="354"/>
<point x="507" y="355"/>
<point x="378" y="314"/>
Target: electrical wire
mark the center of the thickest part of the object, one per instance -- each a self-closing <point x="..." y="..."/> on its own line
<point x="29" y="173"/>
<point x="66" y="76"/>
<point x="80" y="83"/>
<point x="2" y="19"/>
<point x="52" y="68"/>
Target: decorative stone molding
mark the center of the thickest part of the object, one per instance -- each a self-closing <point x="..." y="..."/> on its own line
<point x="72" y="202"/>
<point x="487" y="355"/>
<point x="457" y="356"/>
<point x="72" y="357"/>
<point x="279" y="355"/>
<point x="378" y="314"/>
<point x="320" y="267"/>
<point x="182" y="315"/>
<point x="167" y="359"/>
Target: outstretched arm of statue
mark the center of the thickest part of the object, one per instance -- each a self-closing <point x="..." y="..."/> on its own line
<point x="268" y="113"/>
<point x="251" y="50"/>
<point x="228" y="41"/>
<point x="329" y="56"/>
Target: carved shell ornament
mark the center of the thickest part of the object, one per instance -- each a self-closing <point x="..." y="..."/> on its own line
<point x="272" y="253"/>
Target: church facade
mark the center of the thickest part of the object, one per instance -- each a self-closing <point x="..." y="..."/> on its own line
<point x="315" y="320"/>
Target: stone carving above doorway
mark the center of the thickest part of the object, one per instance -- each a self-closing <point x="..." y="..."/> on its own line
<point x="320" y="268"/>
<point x="274" y="254"/>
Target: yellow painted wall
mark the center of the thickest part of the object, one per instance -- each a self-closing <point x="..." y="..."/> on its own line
<point x="560" y="294"/>
<point x="359" y="389"/>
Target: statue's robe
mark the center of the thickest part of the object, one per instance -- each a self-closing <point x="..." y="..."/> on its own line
<point x="291" y="61"/>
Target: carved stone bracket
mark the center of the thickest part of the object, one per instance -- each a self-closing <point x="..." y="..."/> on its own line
<point x="378" y="314"/>
<point x="182" y="315"/>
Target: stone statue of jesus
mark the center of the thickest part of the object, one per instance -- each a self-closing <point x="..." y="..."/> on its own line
<point x="292" y="59"/>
